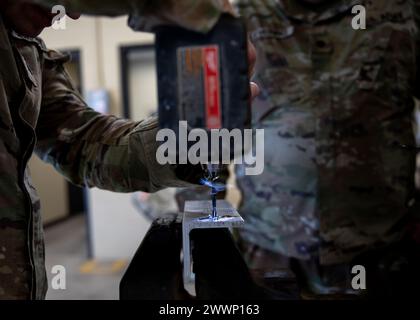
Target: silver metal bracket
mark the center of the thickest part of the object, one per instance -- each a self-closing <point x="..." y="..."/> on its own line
<point x="197" y="215"/>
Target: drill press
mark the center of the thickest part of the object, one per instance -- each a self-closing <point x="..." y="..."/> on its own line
<point x="203" y="80"/>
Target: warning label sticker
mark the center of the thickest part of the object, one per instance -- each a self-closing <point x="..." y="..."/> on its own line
<point x="199" y="86"/>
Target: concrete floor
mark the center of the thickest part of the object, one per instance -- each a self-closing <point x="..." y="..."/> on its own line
<point x="66" y="245"/>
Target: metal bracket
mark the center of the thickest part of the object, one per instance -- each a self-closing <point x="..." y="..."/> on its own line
<point x="197" y="215"/>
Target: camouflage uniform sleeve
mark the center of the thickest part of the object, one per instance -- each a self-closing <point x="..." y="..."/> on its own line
<point x="92" y="149"/>
<point x="145" y="15"/>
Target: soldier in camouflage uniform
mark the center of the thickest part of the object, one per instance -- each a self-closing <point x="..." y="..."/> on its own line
<point x="40" y="110"/>
<point x="338" y="188"/>
<point x="198" y="15"/>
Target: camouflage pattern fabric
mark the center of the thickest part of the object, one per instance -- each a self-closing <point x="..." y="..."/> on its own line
<point x="337" y="103"/>
<point x="40" y="110"/>
<point x="145" y="15"/>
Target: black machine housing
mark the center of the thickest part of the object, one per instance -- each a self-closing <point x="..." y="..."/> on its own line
<point x="182" y="88"/>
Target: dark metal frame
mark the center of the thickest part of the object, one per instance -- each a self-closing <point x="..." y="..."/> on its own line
<point x="76" y="57"/>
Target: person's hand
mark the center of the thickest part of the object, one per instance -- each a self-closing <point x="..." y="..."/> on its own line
<point x="252" y="57"/>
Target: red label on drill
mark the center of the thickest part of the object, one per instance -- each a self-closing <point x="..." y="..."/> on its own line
<point x="212" y="87"/>
<point x="199" y="86"/>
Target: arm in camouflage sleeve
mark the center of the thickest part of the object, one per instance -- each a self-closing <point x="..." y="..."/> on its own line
<point x="92" y="149"/>
<point x="145" y="15"/>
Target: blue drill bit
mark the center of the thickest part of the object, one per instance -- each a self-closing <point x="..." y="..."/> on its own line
<point x="210" y="181"/>
<point x="213" y="202"/>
